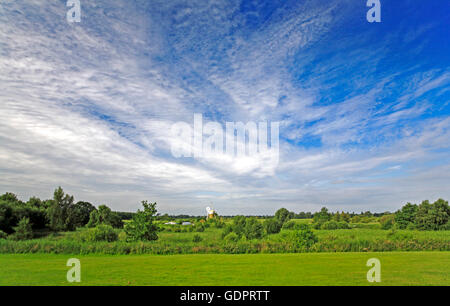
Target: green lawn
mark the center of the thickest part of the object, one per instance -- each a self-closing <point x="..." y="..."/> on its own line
<point x="397" y="268"/>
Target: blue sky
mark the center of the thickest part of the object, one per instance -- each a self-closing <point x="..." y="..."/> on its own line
<point x="363" y="107"/>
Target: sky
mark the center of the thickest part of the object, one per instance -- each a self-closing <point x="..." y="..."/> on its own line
<point x="363" y="107"/>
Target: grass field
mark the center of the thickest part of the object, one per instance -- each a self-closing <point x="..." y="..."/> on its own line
<point x="397" y="268"/>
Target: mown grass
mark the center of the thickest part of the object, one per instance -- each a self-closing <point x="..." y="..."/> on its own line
<point x="397" y="268"/>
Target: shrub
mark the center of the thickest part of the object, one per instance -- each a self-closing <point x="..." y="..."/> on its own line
<point x="199" y="228"/>
<point x="411" y="226"/>
<point x="3" y="235"/>
<point x="23" y="230"/>
<point x="387" y="221"/>
<point x="305" y="238"/>
<point x="197" y="238"/>
<point x="253" y="229"/>
<point x="330" y="225"/>
<point x="102" y="232"/>
<point x="290" y="225"/>
<point x="142" y="226"/>
<point x="122" y="236"/>
<point x="273" y="226"/>
<point x="343" y="225"/>
<point x="231" y="237"/>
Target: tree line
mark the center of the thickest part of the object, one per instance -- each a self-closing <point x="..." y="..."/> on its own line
<point x="22" y="220"/>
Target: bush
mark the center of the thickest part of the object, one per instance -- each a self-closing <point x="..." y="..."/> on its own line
<point x="199" y="228"/>
<point x="305" y="238"/>
<point x="253" y="229"/>
<point x="330" y="225"/>
<point x="3" y="235"/>
<point x="102" y="232"/>
<point x="231" y="237"/>
<point x="343" y="225"/>
<point x="197" y="238"/>
<point x="122" y="236"/>
<point x="273" y="226"/>
<point x="23" y="230"/>
<point x="387" y="221"/>
<point x="142" y="226"/>
<point x="290" y="225"/>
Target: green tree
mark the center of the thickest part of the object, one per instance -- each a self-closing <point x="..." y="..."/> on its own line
<point x="422" y="218"/>
<point x="406" y="215"/>
<point x="239" y="225"/>
<point x="253" y="229"/>
<point x="23" y="230"/>
<point x="272" y="226"/>
<point x="58" y="211"/>
<point x="142" y="226"/>
<point x="283" y="215"/>
<point x="104" y="215"/>
<point x="321" y="217"/>
<point x="9" y="197"/>
<point x="439" y="214"/>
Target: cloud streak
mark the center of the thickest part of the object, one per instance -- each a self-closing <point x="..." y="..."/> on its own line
<point x="89" y="106"/>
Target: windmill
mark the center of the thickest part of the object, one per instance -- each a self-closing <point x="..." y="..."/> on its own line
<point x="209" y="213"/>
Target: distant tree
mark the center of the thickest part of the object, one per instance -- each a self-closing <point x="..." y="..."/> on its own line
<point x="79" y="215"/>
<point x="142" y="226"/>
<point x="272" y="226"/>
<point x="35" y="202"/>
<point x="253" y="229"/>
<point x="321" y="217"/>
<point x="283" y="215"/>
<point x="238" y="226"/>
<point x="9" y="197"/>
<point x="58" y="211"/>
<point x="104" y="215"/>
<point x="440" y="214"/>
<point x="422" y="218"/>
<point x="406" y="215"/>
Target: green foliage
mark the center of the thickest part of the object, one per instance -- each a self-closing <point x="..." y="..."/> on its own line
<point x="58" y="211"/>
<point x="283" y="215"/>
<point x="239" y="225"/>
<point x="387" y="221"/>
<point x="253" y="229"/>
<point x="9" y="197"/>
<point x="102" y="232"/>
<point x="197" y="238"/>
<point x="305" y="237"/>
<point x="332" y="225"/>
<point x="199" y="227"/>
<point x="426" y="216"/>
<point x="291" y="225"/>
<point x="104" y="215"/>
<point x="273" y="226"/>
<point x="12" y="212"/>
<point x="23" y="230"/>
<point x="329" y="225"/>
<point x="142" y="226"/>
<point x="3" y="235"/>
<point x="432" y="216"/>
<point x="321" y="217"/>
<point x="406" y="215"/>
<point x="231" y="237"/>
